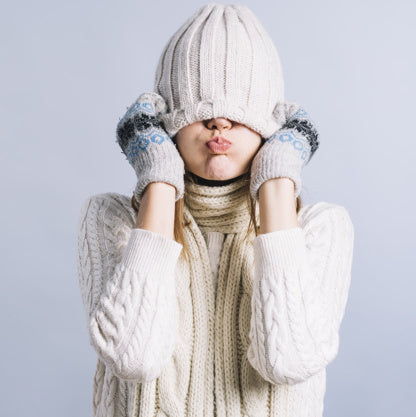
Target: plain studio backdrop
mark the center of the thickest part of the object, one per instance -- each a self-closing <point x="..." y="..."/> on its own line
<point x="68" y="72"/>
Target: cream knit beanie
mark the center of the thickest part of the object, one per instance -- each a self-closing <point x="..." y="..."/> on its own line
<point x="221" y="63"/>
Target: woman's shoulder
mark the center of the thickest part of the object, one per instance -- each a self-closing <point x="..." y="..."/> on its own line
<point x="109" y="207"/>
<point x="324" y="213"/>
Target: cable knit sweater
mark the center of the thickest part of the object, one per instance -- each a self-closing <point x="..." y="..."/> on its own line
<point x="303" y="277"/>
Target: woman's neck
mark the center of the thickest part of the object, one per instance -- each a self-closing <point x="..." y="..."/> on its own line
<point x="203" y="181"/>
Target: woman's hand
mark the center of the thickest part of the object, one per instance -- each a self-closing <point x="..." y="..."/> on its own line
<point x="286" y="152"/>
<point x="148" y="147"/>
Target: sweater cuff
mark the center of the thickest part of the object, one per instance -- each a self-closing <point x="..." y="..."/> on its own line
<point x="282" y="248"/>
<point x="146" y="248"/>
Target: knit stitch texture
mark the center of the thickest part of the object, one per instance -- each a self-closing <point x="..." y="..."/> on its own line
<point x="221" y="62"/>
<point x="246" y="331"/>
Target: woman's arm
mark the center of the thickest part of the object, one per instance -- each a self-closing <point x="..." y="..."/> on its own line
<point x="157" y="209"/>
<point x="277" y="205"/>
<point x="302" y="279"/>
<point x="126" y="277"/>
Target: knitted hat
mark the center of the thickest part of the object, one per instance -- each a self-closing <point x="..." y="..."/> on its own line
<point x="221" y="63"/>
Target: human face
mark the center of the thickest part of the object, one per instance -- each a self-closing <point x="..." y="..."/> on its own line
<point x="216" y="163"/>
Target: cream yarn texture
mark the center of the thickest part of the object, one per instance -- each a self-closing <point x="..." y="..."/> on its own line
<point x="171" y="343"/>
<point x="221" y="62"/>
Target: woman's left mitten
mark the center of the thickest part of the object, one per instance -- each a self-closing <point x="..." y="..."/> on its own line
<point x="286" y="152"/>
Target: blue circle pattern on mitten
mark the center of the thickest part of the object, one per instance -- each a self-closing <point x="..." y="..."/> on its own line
<point x="138" y="107"/>
<point x="298" y="141"/>
<point x="142" y="140"/>
<point x="300" y="132"/>
<point x="138" y="128"/>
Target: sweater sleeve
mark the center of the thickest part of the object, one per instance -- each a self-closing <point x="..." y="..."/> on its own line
<point x="127" y="283"/>
<point x="302" y="279"/>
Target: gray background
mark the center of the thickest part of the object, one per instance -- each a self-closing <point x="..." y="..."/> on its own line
<point x="68" y="72"/>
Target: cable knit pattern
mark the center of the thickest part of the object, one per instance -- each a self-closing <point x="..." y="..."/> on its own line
<point x="244" y="329"/>
<point x="130" y="317"/>
<point x="301" y="286"/>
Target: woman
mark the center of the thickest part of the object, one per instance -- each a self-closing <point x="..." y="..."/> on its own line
<point x="212" y="291"/>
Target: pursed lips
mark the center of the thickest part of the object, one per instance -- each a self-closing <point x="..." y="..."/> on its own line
<point x="218" y="144"/>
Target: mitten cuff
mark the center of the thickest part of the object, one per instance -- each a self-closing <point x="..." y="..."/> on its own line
<point x="162" y="165"/>
<point x="275" y="165"/>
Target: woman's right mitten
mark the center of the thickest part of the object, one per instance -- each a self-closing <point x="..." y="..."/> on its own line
<point x="148" y="147"/>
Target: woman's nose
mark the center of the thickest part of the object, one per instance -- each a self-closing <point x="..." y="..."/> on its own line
<point x="219" y="123"/>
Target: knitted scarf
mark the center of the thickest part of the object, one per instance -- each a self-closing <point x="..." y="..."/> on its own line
<point x="209" y="367"/>
<point x="221" y="314"/>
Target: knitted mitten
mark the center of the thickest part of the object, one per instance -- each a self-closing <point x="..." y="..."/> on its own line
<point x="148" y="147"/>
<point x="287" y="150"/>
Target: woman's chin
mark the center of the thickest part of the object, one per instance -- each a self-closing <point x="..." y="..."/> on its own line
<point x="218" y="168"/>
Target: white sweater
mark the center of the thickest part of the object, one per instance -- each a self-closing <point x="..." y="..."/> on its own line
<point x="113" y="256"/>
